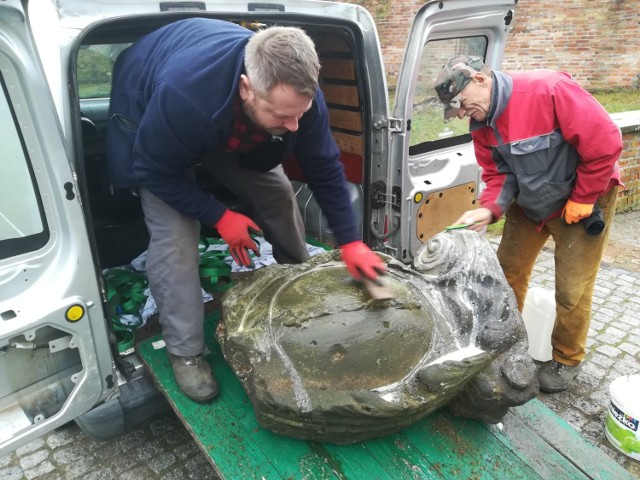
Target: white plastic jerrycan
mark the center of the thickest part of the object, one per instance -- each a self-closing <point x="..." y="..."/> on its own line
<point x="539" y="315"/>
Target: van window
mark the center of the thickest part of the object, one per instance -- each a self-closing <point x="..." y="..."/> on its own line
<point x="427" y="125"/>
<point x="95" y="64"/>
<point x="22" y="224"/>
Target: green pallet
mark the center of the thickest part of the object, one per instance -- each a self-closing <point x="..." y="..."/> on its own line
<point x="531" y="443"/>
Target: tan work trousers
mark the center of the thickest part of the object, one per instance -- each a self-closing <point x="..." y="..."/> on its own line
<point x="577" y="261"/>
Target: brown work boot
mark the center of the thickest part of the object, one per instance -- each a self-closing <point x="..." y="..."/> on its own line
<point x="194" y="377"/>
<point x="556" y="377"/>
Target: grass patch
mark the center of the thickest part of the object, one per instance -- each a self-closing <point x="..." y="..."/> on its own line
<point x="496" y="228"/>
<point x="616" y="101"/>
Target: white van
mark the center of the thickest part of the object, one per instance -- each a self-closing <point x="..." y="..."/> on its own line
<point x="61" y="225"/>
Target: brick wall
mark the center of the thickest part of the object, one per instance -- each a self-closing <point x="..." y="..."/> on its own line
<point x="597" y="41"/>
<point x="629" y="123"/>
<point x="629" y="199"/>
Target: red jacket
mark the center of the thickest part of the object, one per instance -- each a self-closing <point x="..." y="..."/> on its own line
<point x="547" y="140"/>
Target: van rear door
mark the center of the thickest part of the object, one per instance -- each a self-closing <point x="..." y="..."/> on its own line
<point x="55" y="360"/>
<point x="436" y="175"/>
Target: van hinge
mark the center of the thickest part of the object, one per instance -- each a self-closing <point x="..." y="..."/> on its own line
<point x="393" y="124"/>
<point x="380" y="197"/>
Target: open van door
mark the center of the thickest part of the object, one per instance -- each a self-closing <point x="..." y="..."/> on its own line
<point x="436" y="175"/>
<point x="55" y="360"/>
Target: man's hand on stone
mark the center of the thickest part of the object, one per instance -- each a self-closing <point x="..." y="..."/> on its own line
<point x="361" y="261"/>
<point x="476" y="219"/>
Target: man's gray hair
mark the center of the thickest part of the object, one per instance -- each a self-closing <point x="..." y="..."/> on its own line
<point x="285" y="55"/>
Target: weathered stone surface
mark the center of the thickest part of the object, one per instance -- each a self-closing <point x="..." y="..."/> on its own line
<point x="320" y="360"/>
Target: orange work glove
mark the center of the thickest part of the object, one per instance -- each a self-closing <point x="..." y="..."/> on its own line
<point x="361" y="261"/>
<point x="574" y="212"/>
<point x="235" y="229"/>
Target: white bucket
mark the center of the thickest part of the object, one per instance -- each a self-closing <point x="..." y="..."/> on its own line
<point x="539" y="315"/>
<point x="621" y="425"/>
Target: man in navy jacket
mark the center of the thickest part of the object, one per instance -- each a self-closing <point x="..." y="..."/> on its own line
<point x="203" y="91"/>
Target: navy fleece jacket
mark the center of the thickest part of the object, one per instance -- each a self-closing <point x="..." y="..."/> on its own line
<point x="172" y="101"/>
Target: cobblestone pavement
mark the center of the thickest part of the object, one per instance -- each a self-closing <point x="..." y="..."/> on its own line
<point x="163" y="449"/>
<point x="614" y="335"/>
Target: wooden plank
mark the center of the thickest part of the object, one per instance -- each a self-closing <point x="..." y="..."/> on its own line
<point x="592" y="461"/>
<point x="345" y="119"/>
<point x="337" y="68"/>
<point x="528" y="445"/>
<point x="349" y="143"/>
<point x="402" y="457"/>
<point x="330" y="43"/>
<point x="471" y="441"/>
<point x="453" y="455"/>
<point x="352" y="462"/>
<point x="341" y="94"/>
<point x="441" y="209"/>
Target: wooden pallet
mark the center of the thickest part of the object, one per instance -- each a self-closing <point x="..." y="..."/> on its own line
<point x="531" y="443"/>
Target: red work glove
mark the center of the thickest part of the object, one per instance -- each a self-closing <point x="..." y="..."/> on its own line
<point x="360" y="260"/>
<point x="234" y="228"/>
<point x="574" y="212"/>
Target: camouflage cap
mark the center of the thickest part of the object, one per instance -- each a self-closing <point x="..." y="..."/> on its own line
<point x="453" y="77"/>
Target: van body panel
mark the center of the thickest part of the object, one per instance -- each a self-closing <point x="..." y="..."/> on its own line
<point x="55" y="358"/>
<point x="430" y="171"/>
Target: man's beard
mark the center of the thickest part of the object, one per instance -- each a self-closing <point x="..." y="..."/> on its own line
<point x="250" y="112"/>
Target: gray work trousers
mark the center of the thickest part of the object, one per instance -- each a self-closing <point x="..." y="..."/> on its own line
<point x="173" y="258"/>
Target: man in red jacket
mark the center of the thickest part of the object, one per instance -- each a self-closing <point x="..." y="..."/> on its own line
<point x="549" y="154"/>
